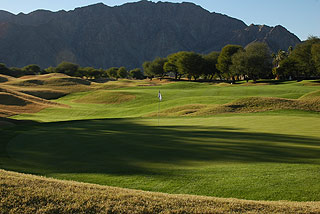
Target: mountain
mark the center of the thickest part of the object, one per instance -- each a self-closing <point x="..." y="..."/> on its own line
<point x="127" y="35"/>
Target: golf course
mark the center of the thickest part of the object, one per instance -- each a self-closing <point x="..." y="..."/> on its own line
<point x="253" y="141"/>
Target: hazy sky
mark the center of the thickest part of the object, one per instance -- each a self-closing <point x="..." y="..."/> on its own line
<point x="302" y="17"/>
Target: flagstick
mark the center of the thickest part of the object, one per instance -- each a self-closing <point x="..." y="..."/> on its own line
<point x="158" y="111"/>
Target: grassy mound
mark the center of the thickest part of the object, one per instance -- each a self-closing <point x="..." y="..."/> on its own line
<point x="44" y="93"/>
<point x="66" y="81"/>
<point x="50" y="80"/>
<point x="184" y="110"/>
<point x="315" y="95"/>
<point x="106" y="97"/>
<point x="259" y="104"/>
<point x="22" y="193"/>
<point x="13" y="102"/>
<point x="310" y="102"/>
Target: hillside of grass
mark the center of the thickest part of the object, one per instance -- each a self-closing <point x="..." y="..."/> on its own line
<point x="22" y="193"/>
<point x="246" y="141"/>
<point x="127" y="98"/>
<point x="14" y="102"/>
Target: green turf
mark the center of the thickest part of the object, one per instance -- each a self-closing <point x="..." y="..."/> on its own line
<point x="258" y="156"/>
<point x="174" y="94"/>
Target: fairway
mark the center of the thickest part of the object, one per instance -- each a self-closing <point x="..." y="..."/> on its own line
<point x="273" y="155"/>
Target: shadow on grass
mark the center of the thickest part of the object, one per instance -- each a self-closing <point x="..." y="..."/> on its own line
<point x="124" y="146"/>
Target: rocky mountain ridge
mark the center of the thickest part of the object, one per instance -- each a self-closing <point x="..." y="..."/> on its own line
<point x="126" y="35"/>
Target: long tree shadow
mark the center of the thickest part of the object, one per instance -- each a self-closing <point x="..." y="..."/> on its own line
<point x="125" y="146"/>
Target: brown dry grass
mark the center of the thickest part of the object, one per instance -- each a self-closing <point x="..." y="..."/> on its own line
<point x="20" y="193"/>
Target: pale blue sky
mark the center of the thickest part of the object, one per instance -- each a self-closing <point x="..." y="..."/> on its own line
<point x="301" y="17"/>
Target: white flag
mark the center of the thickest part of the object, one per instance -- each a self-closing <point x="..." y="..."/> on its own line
<point x="160" y="96"/>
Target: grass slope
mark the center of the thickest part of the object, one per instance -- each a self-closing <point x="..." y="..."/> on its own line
<point x="104" y="139"/>
<point x="21" y="193"/>
<point x="175" y="95"/>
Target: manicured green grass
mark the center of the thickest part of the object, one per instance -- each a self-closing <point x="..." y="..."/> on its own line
<point x="258" y="156"/>
<point x="174" y="94"/>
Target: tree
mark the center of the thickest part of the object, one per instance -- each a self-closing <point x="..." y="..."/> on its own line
<point x="287" y="68"/>
<point x="190" y="64"/>
<point x="50" y="69"/>
<point x="171" y="66"/>
<point x="31" y="69"/>
<point x="67" y="68"/>
<point x="113" y="72"/>
<point x="315" y="53"/>
<point x="136" y="74"/>
<point x="225" y="60"/>
<point x="122" y="72"/>
<point x="277" y="59"/>
<point x="4" y="70"/>
<point x="303" y="56"/>
<point x="155" y="68"/>
<point x="210" y="62"/>
<point x="253" y="62"/>
<point x="16" y="72"/>
<point x="259" y="61"/>
<point x="147" y="69"/>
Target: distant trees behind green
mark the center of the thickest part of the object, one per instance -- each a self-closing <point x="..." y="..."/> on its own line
<point x="303" y="62"/>
<point x="233" y="63"/>
<point x="75" y="70"/>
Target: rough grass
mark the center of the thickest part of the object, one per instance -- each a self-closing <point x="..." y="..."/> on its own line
<point x="22" y="193"/>
<point x="310" y="102"/>
<point x="106" y="97"/>
<point x="315" y="95"/>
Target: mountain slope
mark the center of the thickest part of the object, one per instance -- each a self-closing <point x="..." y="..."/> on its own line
<point x="103" y="36"/>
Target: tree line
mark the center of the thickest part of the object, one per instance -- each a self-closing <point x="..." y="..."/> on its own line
<point x="232" y="63"/>
<point x="75" y="70"/>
